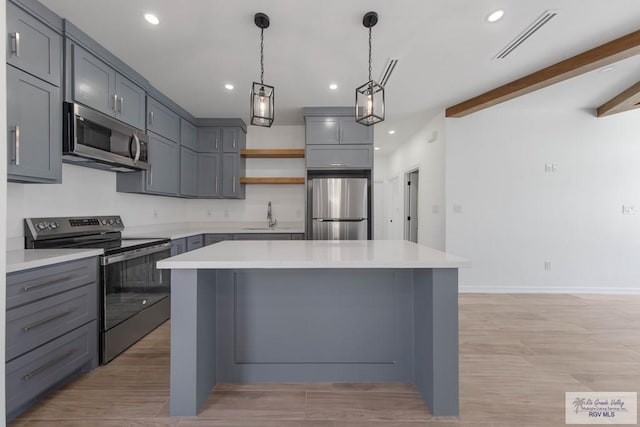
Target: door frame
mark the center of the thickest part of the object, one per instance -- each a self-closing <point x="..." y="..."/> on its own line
<point x="407" y="203"/>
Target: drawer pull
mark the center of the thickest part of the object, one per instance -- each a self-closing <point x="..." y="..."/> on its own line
<point x="49" y="282"/>
<point x="49" y="364"/>
<point x="47" y="320"/>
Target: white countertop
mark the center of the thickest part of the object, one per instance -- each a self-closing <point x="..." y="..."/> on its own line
<point x="180" y="230"/>
<point x="289" y="254"/>
<point x="25" y="259"/>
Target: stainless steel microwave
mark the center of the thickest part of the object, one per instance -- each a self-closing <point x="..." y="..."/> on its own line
<point x="95" y="140"/>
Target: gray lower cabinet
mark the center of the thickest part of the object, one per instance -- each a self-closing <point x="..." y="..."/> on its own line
<point x="188" y="172"/>
<point x="162" y="120"/>
<point x="262" y="236"/>
<point x="210" y="239"/>
<point x="162" y="178"/>
<point x="209" y="177"/>
<point x="298" y="236"/>
<point x="339" y="156"/>
<point x="52" y="331"/>
<point x="33" y="46"/>
<point x="97" y="85"/>
<point x="195" y="242"/>
<point x="178" y="246"/>
<point x="34" y="133"/>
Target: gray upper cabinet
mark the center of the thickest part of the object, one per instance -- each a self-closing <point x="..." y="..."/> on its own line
<point x="230" y="176"/>
<point x="130" y="102"/>
<point x="163" y="176"/>
<point x="188" y="135"/>
<point x="209" y="139"/>
<point x="209" y="176"/>
<point x="323" y="130"/>
<point x="97" y="85"/>
<point x="356" y="156"/>
<point x="34" y="120"/>
<point x="231" y="140"/>
<point x="162" y="120"/>
<point x="353" y="132"/>
<point x="188" y="172"/>
<point x="93" y="82"/>
<point x="32" y="46"/>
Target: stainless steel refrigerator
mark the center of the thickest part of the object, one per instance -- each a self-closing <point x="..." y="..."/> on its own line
<point x="339" y="209"/>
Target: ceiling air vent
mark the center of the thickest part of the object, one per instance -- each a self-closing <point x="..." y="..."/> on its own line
<point x="540" y="22"/>
<point x="388" y="69"/>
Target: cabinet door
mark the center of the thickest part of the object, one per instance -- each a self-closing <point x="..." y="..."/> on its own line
<point x="178" y="246"/>
<point x="32" y="46"/>
<point x="34" y="120"/>
<point x="209" y="175"/>
<point x="230" y="140"/>
<point x="230" y="177"/>
<point x="323" y="130"/>
<point x="340" y="157"/>
<point x="209" y="140"/>
<point x="188" y="172"/>
<point x="188" y="135"/>
<point x="262" y="236"/>
<point x="163" y="156"/>
<point x="130" y="102"/>
<point x="353" y="132"/>
<point x="162" y="120"/>
<point x="93" y="82"/>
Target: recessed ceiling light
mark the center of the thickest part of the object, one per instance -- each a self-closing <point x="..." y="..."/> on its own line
<point x="391" y="132"/>
<point x="608" y="69"/>
<point x="495" y="16"/>
<point x="228" y="86"/>
<point x="151" y="18"/>
<point x="333" y="86"/>
<point x="376" y="148"/>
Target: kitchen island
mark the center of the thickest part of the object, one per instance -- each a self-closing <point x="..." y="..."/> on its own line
<point x="314" y="311"/>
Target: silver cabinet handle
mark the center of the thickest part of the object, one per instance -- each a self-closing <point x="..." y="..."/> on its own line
<point x="16" y="143"/>
<point x="49" y="364"/>
<point x="138" y="148"/>
<point x="151" y="176"/>
<point x="338" y="164"/>
<point x="16" y="44"/>
<point x="115" y="102"/>
<point x="150" y="117"/>
<point x="49" y="282"/>
<point x="120" y="104"/>
<point x="216" y="185"/>
<point x="234" y="142"/>
<point x="46" y="320"/>
<point x="216" y="142"/>
<point x="233" y="185"/>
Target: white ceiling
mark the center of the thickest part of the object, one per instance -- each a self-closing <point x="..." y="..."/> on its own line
<point x="445" y="48"/>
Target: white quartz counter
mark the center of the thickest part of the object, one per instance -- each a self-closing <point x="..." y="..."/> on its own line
<point x="180" y="230"/>
<point x="32" y="258"/>
<point x="290" y="254"/>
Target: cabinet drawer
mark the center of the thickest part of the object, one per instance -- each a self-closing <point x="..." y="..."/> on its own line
<point x="178" y="246"/>
<point x="339" y="156"/>
<point x="262" y="236"/>
<point x="32" y="374"/>
<point x="194" y="242"/>
<point x="32" y="325"/>
<point x="210" y="239"/>
<point x="32" y="46"/>
<point x="30" y="285"/>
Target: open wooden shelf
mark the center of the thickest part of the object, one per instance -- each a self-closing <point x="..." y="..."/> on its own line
<point x="273" y="153"/>
<point x="279" y="180"/>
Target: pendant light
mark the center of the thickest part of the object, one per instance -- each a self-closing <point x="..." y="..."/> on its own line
<point x="370" y="96"/>
<point x="262" y="106"/>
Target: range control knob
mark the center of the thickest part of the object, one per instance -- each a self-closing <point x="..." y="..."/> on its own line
<point x="104" y="222"/>
<point x="118" y="221"/>
<point x="111" y="221"/>
<point x="42" y="226"/>
<point x="53" y="225"/>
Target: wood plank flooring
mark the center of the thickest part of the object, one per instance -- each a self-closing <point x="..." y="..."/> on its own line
<point x="519" y="354"/>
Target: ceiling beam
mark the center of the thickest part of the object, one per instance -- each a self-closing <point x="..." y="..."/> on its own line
<point x="601" y="56"/>
<point x="625" y="101"/>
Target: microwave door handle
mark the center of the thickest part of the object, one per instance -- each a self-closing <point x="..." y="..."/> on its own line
<point x="138" y="148"/>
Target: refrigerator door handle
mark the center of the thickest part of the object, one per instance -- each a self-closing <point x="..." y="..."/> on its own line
<point x="340" y="219"/>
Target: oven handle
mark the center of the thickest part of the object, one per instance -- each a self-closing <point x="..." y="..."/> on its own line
<point x="112" y="259"/>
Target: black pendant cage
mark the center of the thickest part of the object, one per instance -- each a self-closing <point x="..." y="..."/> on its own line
<point x="262" y="104"/>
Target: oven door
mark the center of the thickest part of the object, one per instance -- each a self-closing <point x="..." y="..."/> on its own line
<point x="135" y="297"/>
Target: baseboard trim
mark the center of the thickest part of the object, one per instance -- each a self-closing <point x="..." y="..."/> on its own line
<point x="543" y="290"/>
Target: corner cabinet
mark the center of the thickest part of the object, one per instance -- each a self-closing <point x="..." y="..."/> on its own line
<point x="34" y="99"/>
<point x="335" y="141"/>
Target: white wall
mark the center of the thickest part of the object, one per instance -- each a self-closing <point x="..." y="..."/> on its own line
<point x="513" y="216"/>
<point x="3" y="208"/>
<point x="86" y="191"/>
<point x="380" y="196"/>
<point x="416" y="152"/>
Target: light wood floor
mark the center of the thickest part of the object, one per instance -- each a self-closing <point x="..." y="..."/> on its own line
<point x="519" y="354"/>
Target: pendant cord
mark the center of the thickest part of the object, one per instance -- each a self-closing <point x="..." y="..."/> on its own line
<point x="370" y="54"/>
<point x="262" y="55"/>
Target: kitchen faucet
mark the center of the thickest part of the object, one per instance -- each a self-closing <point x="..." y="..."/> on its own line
<point x="272" y="222"/>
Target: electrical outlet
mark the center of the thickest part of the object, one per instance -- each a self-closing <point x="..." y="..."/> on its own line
<point x="547" y="265"/>
<point x="155" y="214"/>
<point x="550" y="168"/>
<point x="628" y="210"/>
